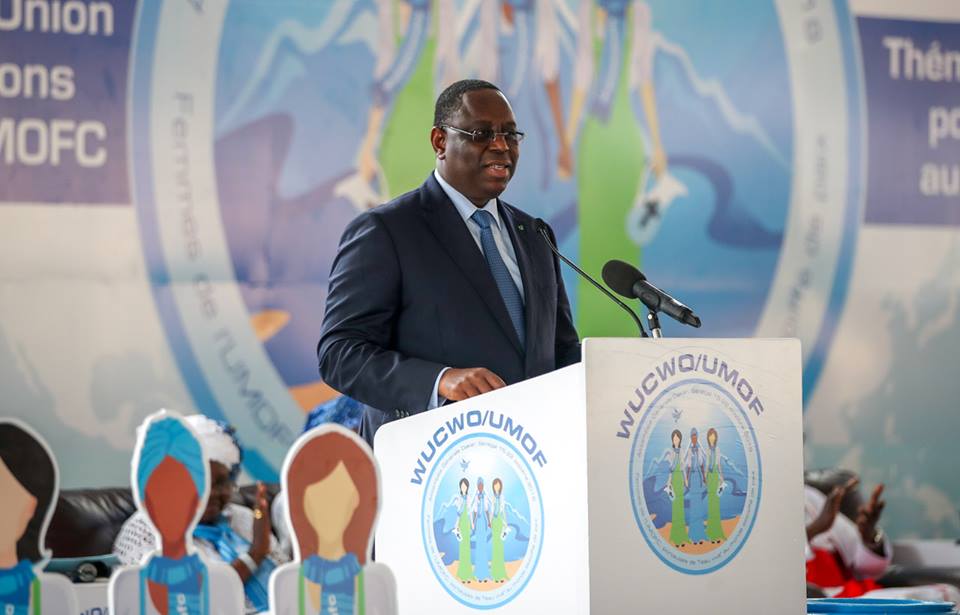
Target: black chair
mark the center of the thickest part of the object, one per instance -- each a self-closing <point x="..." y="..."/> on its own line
<point x="86" y="523"/>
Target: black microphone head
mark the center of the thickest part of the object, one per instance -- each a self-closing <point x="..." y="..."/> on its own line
<point x="540" y="225"/>
<point x="621" y="277"/>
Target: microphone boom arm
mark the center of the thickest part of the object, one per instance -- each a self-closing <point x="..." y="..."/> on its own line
<point x="542" y="229"/>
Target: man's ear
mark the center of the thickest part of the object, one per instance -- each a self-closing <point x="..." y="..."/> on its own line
<point x="438" y="139"/>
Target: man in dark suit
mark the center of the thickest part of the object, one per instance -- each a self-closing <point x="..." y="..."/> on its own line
<point x="446" y="292"/>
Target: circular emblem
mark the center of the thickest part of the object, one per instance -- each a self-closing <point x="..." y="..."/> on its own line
<point x="482" y="521"/>
<point x="695" y="476"/>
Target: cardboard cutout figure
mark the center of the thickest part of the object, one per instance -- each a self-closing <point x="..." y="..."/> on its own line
<point x="170" y="480"/>
<point x="332" y="495"/>
<point x="29" y="486"/>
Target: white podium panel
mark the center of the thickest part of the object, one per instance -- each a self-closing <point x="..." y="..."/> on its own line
<point x="530" y="436"/>
<point x="716" y="525"/>
<point x="657" y="475"/>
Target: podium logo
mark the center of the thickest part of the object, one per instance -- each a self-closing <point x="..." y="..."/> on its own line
<point x="482" y="520"/>
<point x="695" y="476"/>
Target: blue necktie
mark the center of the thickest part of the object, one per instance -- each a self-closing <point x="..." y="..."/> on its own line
<point x="508" y="290"/>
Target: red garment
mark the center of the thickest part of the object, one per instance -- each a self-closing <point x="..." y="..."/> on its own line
<point x="826" y="569"/>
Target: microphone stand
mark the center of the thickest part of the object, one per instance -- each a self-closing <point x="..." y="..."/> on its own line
<point x="542" y="229"/>
<point x="654" y="322"/>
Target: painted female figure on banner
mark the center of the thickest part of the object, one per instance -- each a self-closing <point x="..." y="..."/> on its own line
<point x="171" y="485"/>
<point x="714" y="489"/>
<point x="676" y="487"/>
<point x="696" y="485"/>
<point x="481" y="534"/>
<point x="29" y="486"/>
<point x="331" y="487"/>
<point x="463" y="531"/>
<point x="499" y="530"/>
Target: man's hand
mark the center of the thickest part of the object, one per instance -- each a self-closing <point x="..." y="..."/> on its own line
<point x="830" y="510"/>
<point x="867" y="517"/>
<point x="459" y="384"/>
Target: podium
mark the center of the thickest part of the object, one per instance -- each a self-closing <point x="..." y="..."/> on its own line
<point x="656" y="476"/>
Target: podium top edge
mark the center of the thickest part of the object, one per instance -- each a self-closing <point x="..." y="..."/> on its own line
<point x="695" y="340"/>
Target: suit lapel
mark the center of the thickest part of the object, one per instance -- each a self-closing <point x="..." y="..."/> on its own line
<point x="452" y="234"/>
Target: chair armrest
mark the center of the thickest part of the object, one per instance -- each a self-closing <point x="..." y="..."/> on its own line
<point x="937" y="553"/>
<point x="904" y="576"/>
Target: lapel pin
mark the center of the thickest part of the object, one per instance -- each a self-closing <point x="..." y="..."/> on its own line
<point x="520" y="226"/>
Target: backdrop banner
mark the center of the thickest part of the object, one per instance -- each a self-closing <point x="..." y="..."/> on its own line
<point x="175" y="177"/>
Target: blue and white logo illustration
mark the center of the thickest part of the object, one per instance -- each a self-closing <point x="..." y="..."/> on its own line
<point x="695" y="476"/>
<point x="482" y="521"/>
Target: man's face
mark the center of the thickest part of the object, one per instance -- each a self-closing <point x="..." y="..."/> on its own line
<point x="479" y="171"/>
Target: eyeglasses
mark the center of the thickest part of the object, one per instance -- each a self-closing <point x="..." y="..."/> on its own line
<point x="486" y="135"/>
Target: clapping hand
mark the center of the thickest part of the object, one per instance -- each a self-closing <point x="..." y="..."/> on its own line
<point x="867" y="517"/>
<point x="261" y="525"/>
<point x="830" y="510"/>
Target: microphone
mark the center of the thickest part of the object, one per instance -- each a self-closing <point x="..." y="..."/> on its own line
<point x="542" y="229"/>
<point x="626" y="280"/>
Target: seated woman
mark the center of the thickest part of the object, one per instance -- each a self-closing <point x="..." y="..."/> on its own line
<point x="28" y="490"/>
<point x="227" y="532"/>
<point x="844" y="556"/>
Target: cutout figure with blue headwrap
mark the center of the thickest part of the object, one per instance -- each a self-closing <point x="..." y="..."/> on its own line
<point x="227" y="531"/>
<point x="171" y="486"/>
